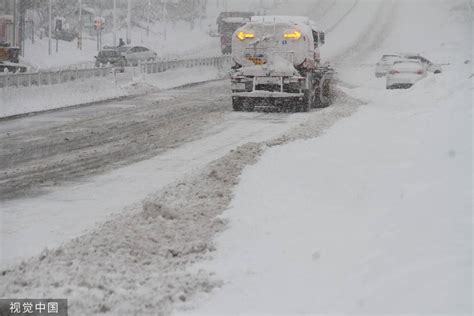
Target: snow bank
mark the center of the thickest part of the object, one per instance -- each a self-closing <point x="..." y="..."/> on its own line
<point x="22" y="100"/>
<point x="375" y="216"/>
<point x="380" y="222"/>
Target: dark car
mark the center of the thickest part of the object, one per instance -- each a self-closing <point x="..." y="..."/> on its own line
<point x="111" y="56"/>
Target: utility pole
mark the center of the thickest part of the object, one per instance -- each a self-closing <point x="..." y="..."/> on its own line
<point x="49" y="27"/>
<point x="129" y="21"/>
<point x="164" y="19"/>
<point x="148" y="18"/>
<point x="115" y="22"/>
<point x="79" y="38"/>
<point x="14" y="24"/>
<point x="21" y="28"/>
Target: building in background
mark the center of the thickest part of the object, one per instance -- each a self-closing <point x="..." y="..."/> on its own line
<point x="6" y="21"/>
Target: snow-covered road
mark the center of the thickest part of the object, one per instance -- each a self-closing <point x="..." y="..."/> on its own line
<point x="183" y="136"/>
<point x="368" y="222"/>
<point x="46" y="162"/>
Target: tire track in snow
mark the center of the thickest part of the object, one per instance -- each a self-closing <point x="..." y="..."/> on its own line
<point x="102" y="139"/>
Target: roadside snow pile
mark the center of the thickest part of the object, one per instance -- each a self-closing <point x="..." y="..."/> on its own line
<point x="14" y="101"/>
<point x="136" y="262"/>
<point x="381" y="220"/>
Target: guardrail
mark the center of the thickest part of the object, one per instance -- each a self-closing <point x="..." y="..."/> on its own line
<point x="160" y="66"/>
<point x="49" y="77"/>
<point x="52" y="77"/>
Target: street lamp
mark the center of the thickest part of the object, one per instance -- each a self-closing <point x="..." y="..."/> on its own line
<point x="115" y="22"/>
<point x="49" y="27"/>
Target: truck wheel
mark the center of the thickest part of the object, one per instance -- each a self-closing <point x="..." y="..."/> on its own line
<point x="237" y="104"/>
<point x="323" y="95"/>
<point x="326" y="94"/>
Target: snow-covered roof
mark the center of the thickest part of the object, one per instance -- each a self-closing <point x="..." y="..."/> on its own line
<point x="281" y="18"/>
<point x="285" y="19"/>
<point x="235" y="20"/>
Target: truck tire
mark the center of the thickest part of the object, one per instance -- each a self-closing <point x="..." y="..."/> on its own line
<point x="326" y="94"/>
<point x="237" y="104"/>
<point x="323" y="93"/>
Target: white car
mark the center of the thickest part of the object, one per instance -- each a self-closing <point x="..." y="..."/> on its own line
<point x="384" y="64"/>
<point x="427" y="65"/>
<point x="405" y="73"/>
<point x="138" y="53"/>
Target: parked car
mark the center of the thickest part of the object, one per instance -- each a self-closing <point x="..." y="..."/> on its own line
<point x="427" y="65"/>
<point x="405" y="73"/>
<point x="111" y="56"/>
<point x="138" y="53"/>
<point x="384" y="64"/>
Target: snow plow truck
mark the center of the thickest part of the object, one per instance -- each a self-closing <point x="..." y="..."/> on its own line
<point x="277" y="67"/>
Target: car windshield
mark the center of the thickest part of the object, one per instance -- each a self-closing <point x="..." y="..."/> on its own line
<point x="109" y="53"/>
<point x="123" y="48"/>
<point x="389" y="58"/>
<point x="407" y="65"/>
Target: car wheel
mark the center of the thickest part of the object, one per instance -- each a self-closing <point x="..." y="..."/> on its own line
<point x="237" y="104"/>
